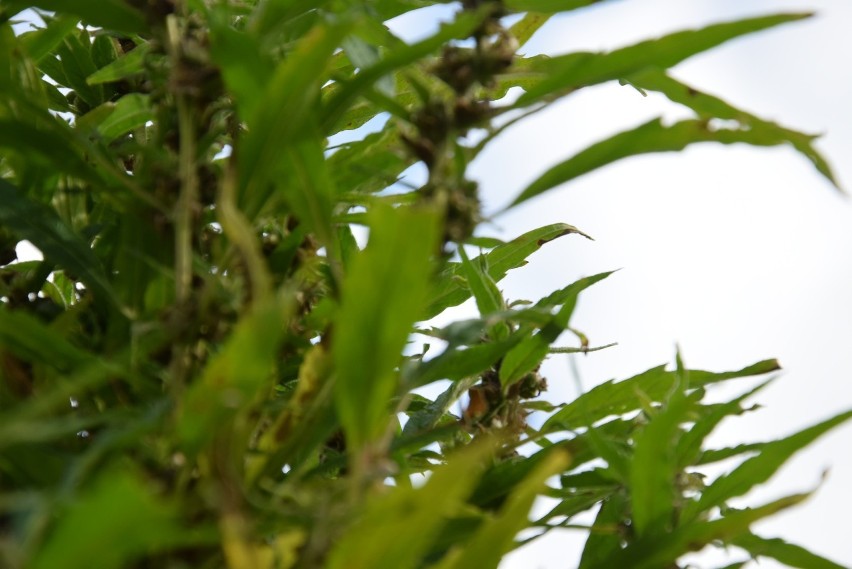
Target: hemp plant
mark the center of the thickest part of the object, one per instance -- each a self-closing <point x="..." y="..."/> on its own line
<point x="210" y="368"/>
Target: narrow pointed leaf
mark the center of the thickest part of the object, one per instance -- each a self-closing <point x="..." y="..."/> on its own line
<point x="110" y="14"/>
<point x="383" y="295"/>
<point x="789" y="554"/>
<point x="499" y="261"/>
<point x="128" y="65"/>
<point x="568" y="72"/>
<point x="650" y="137"/>
<point x="708" y="107"/>
<point x="40" y="225"/>
<point x="760" y="468"/>
<point x="397" y="529"/>
<point x="529" y="354"/>
<point x="130" y="112"/>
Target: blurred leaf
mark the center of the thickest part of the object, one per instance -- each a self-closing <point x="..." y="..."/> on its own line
<point x="787" y="553"/>
<point x="130" y="64"/>
<point x="458" y="363"/>
<point x="343" y="99"/>
<point x="283" y="123"/>
<point x="46" y="144"/>
<point x="499" y="261"/>
<point x="548" y="6"/>
<point x="130" y="112"/>
<point x="653" y="552"/>
<point x="111" y="14"/>
<point x="495" y="536"/>
<point x="396" y="529"/>
<point x="42" y="42"/>
<point x="565" y="73"/>
<point x="41" y="226"/>
<point x="524" y="29"/>
<point x="383" y="295"/>
<point x="759" y="468"/>
<point x="120" y="509"/>
<point x="75" y="53"/>
<point x="605" y="538"/>
<point x="234" y="376"/>
<point x="30" y="339"/>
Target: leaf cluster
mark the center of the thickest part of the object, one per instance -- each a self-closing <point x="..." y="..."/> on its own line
<point x="213" y="366"/>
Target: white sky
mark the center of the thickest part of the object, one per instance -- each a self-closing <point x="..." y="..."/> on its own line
<point x="736" y="254"/>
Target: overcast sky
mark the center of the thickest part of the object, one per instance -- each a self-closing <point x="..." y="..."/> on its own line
<point x="736" y="254"/>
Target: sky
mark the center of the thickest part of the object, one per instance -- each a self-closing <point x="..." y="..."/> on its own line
<point x="734" y="254"/>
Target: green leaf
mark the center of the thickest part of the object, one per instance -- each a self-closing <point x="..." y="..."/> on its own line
<point x="653" y="552"/>
<point x="41" y="43"/>
<point x="499" y="261"/>
<point x="121" y="508"/>
<point x="234" y="376"/>
<point x="689" y="447"/>
<point x="529" y="354"/>
<point x="110" y="14"/>
<point x="460" y="363"/>
<point x="611" y="398"/>
<point x="345" y="97"/>
<point x="41" y="226"/>
<point x="759" y="468"/>
<point x="370" y="165"/>
<point x="130" y="112"/>
<point x="708" y="106"/>
<point x="283" y="123"/>
<point x="652" y="136"/>
<point x="548" y="6"/>
<point x="75" y="53"/>
<point x="496" y="535"/>
<point x="569" y="72"/>
<point x="30" y="339"/>
<point x="383" y="295"/>
<point x="130" y="64"/>
<point x="654" y="468"/>
<point x="524" y="29"/>
<point x="787" y="553"/>
<point x="397" y="529"/>
<point x="604" y="540"/>
<point x="245" y="68"/>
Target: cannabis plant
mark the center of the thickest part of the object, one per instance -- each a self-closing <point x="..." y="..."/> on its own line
<point x="215" y="362"/>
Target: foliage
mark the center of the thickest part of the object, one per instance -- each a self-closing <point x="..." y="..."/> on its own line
<point x="209" y="368"/>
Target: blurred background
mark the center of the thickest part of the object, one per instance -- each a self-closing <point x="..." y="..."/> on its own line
<point x="735" y="254"/>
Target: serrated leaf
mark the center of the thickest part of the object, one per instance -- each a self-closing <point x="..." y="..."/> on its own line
<point x="346" y="95"/>
<point x="565" y="73"/>
<point x="760" y="468"/>
<point x="708" y="106"/>
<point x="650" y="137"/>
<point x="653" y="552"/>
<point x="529" y="354"/>
<point x="787" y="553"/>
<point x="382" y="297"/>
<point x="499" y="261"/>
<point x="614" y="398"/>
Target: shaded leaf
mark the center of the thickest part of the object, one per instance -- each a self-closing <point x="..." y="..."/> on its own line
<point x="130" y="64"/>
<point x="41" y="226"/>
